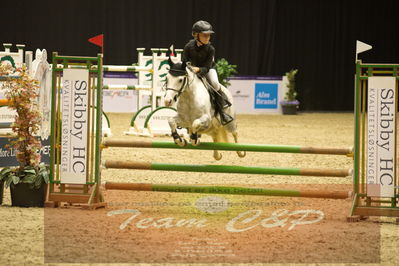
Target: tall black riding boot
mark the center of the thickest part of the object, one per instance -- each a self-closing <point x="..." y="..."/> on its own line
<point x="222" y="97"/>
<point x="222" y="102"/>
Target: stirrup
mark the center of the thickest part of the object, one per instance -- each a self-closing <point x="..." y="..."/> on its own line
<point x="225" y="118"/>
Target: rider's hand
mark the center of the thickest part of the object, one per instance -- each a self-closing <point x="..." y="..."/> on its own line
<point x="196" y="69"/>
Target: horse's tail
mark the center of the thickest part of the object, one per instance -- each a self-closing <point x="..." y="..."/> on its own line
<point x="221" y="135"/>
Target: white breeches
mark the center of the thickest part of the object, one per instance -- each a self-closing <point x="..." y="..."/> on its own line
<point x="212" y="78"/>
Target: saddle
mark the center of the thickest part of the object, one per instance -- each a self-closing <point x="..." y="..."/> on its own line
<point x="212" y="92"/>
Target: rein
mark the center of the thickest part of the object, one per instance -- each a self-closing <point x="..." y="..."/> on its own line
<point x="179" y="91"/>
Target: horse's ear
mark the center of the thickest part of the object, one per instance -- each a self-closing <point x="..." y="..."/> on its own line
<point x="171" y="53"/>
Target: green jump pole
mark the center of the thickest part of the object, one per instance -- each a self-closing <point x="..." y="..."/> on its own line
<point x="227" y="147"/>
<point x="228" y="190"/>
<point x="226" y="169"/>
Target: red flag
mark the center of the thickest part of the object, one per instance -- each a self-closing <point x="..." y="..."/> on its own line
<point x="97" y="40"/>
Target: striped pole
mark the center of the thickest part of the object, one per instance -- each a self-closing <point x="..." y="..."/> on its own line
<point x="228" y="190"/>
<point x="4" y="102"/>
<point x="227" y="147"/>
<point x="226" y="169"/>
<point x="5" y="124"/>
<point x="127" y="87"/>
<point x="9" y="77"/>
<point x="112" y="68"/>
<point x="8" y="135"/>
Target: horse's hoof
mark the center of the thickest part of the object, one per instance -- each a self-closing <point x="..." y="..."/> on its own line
<point x="182" y="142"/>
<point x="217" y="156"/>
<point x="195" y="142"/>
<point x="241" y="154"/>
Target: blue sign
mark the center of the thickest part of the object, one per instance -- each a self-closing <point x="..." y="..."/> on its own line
<point x="266" y="95"/>
<point x="8" y="156"/>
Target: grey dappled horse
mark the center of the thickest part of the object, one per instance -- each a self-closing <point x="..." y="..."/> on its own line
<point x="194" y="109"/>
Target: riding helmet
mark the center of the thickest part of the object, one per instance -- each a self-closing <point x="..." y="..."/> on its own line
<point x="202" y="26"/>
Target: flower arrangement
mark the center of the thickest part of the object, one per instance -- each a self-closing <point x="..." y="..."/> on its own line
<point x="290" y="96"/>
<point x="22" y="91"/>
<point x="6" y="68"/>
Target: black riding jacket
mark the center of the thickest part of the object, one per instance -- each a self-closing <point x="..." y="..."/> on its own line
<point x="199" y="56"/>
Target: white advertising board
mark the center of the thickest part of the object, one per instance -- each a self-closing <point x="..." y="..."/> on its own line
<point x="75" y="110"/>
<point x="257" y="95"/>
<point x="381" y="137"/>
<point x="252" y="95"/>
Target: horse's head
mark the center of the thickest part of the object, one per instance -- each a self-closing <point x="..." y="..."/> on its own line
<point x="176" y="81"/>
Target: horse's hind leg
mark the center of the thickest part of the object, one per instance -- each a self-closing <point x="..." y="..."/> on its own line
<point x="232" y="127"/>
<point x="216" y="154"/>
<point x="239" y="153"/>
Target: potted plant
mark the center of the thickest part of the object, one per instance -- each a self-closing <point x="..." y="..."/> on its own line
<point x="27" y="180"/>
<point x="225" y="70"/>
<point x="290" y="104"/>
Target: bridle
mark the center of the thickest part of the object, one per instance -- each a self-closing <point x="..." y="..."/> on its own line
<point x="185" y="84"/>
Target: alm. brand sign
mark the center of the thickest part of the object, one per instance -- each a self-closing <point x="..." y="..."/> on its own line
<point x="381" y="163"/>
<point x="75" y="110"/>
<point x="266" y="96"/>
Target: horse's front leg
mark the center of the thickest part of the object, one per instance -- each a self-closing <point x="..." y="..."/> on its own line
<point x="198" y="125"/>
<point x="173" y="122"/>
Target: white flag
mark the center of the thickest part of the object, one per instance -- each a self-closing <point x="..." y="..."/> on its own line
<point x="361" y="47"/>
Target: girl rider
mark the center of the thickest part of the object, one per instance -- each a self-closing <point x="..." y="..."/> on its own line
<point x="200" y="53"/>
